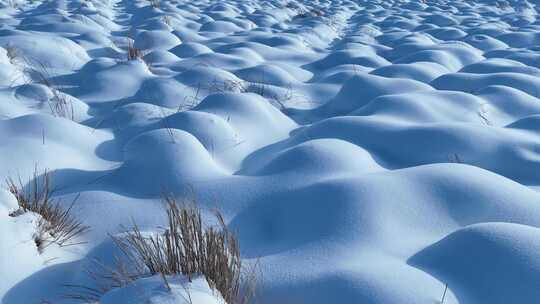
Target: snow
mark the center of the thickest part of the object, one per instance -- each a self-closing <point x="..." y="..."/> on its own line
<point x="364" y="151"/>
<point x="153" y="291"/>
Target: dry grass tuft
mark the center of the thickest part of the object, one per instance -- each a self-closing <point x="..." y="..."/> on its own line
<point x="59" y="104"/>
<point x="281" y="99"/>
<point x="133" y="53"/>
<point x="12" y="4"/>
<point x="12" y="53"/>
<point x="154" y="3"/>
<point x="166" y="19"/>
<point x="36" y="71"/>
<point x="186" y="247"/>
<point x="189" y="248"/>
<point x="55" y="225"/>
<point x="226" y="86"/>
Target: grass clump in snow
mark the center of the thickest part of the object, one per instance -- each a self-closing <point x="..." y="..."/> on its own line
<point x="12" y="53"/>
<point x="133" y="53"/>
<point x="189" y="248"/>
<point x="59" y="104"/>
<point x="55" y="225"/>
<point x="186" y="247"/>
<point x="36" y="71"/>
<point x="154" y="3"/>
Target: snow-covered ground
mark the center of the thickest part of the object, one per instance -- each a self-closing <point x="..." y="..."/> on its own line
<point x="364" y="151"/>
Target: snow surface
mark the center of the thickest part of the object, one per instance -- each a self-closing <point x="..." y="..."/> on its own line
<point x="364" y="151"/>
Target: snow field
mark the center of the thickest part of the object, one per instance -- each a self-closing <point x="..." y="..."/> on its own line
<point x="364" y="151"/>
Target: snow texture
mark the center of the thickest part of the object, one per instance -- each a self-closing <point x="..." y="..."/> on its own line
<point x="364" y="151"/>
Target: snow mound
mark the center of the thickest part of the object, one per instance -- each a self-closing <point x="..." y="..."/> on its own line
<point x="349" y="99"/>
<point x="481" y="262"/>
<point x="153" y="290"/>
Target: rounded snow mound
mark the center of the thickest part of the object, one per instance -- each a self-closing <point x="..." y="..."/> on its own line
<point x="226" y="144"/>
<point x="151" y="40"/>
<point x="426" y="107"/>
<point x="46" y="52"/>
<point x="153" y="290"/>
<point x="165" y="92"/>
<point x="468" y="82"/>
<point x="359" y="90"/>
<point x="320" y="157"/>
<point x="170" y="149"/>
<point x="49" y="100"/>
<point x="190" y="49"/>
<point x="220" y="27"/>
<point x="160" y="57"/>
<point x="267" y="74"/>
<point x="482" y="263"/>
<point x="165" y="159"/>
<point x="38" y="139"/>
<point x="419" y="71"/>
<point x="249" y="113"/>
<point x="210" y="78"/>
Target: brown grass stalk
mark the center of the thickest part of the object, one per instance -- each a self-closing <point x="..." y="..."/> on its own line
<point x="55" y="224"/>
<point x="187" y="247"/>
